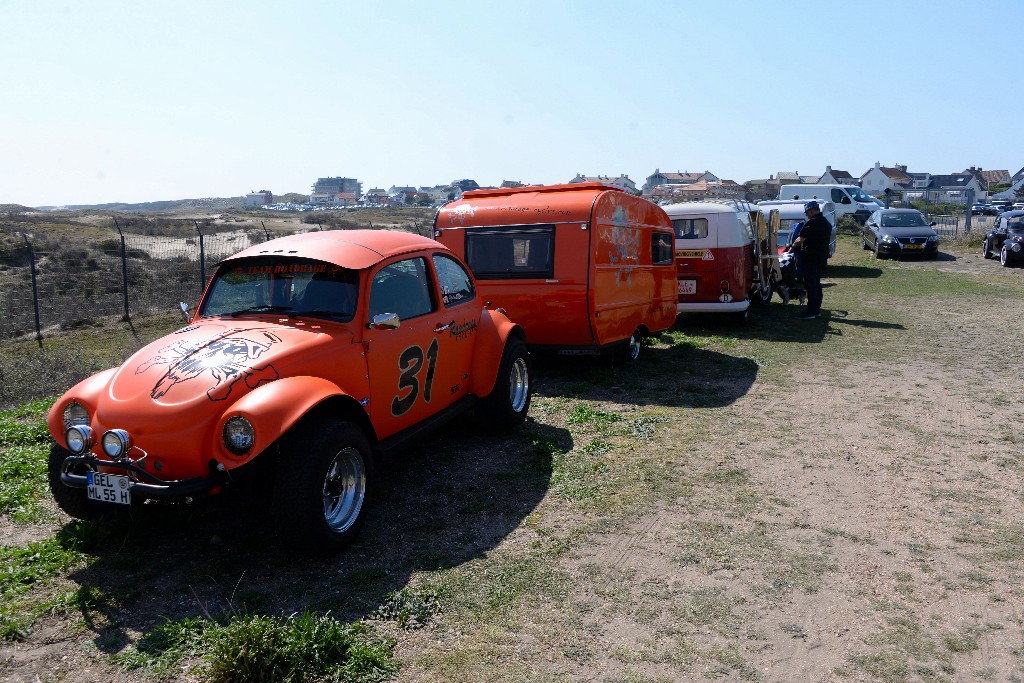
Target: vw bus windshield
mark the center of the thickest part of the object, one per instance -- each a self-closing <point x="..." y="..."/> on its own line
<point x="293" y="287"/>
<point x="858" y="194"/>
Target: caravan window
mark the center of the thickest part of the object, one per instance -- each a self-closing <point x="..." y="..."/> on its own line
<point x="662" y="251"/>
<point x="496" y="253"/>
<point x="691" y="228"/>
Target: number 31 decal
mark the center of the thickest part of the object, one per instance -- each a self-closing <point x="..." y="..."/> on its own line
<point x="410" y="362"/>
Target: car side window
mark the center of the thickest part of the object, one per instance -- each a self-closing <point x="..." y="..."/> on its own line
<point x="456" y="284"/>
<point x="402" y="288"/>
<point x="837" y="195"/>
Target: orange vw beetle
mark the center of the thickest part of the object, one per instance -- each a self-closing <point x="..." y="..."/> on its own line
<point x="308" y="356"/>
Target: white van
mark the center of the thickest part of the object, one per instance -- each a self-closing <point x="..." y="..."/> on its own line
<point x="849" y="200"/>
<point x="791" y="211"/>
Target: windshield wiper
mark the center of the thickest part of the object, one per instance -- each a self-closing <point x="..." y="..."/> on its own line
<point x="260" y="309"/>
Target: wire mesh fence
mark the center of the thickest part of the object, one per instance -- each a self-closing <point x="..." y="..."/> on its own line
<point x="47" y="285"/>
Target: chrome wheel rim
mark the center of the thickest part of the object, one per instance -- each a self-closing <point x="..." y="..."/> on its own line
<point x="519" y="385"/>
<point x="344" y="489"/>
<point x="1002" y="256"/>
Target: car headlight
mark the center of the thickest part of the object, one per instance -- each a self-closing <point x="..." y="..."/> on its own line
<point x="239" y="436"/>
<point x="116" y="443"/>
<point x="78" y="439"/>
<point x="1015" y="246"/>
<point x="75" y="414"/>
<point x="889" y="239"/>
<point x="933" y="239"/>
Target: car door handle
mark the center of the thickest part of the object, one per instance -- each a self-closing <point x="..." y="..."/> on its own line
<point x="442" y="328"/>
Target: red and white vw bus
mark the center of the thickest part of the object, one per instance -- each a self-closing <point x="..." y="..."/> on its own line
<point x="725" y="256"/>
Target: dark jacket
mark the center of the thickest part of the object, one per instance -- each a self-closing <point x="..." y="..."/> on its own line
<point x="817" y="234"/>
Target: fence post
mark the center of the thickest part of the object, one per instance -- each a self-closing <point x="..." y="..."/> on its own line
<point x="967" y="212"/>
<point x="202" y="260"/>
<point x="35" y="289"/>
<point x="266" y="233"/>
<point x="124" y="273"/>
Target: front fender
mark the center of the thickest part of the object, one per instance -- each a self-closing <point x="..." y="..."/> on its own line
<point x="495" y="329"/>
<point x="85" y="392"/>
<point x="273" y="409"/>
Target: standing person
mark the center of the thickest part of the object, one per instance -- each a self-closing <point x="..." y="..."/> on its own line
<point x="812" y="247"/>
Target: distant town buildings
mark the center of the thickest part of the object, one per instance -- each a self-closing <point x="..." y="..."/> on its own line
<point x="622" y="180"/>
<point x="678" y="178"/>
<point x="335" y="186"/>
<point x="261" y="198"/>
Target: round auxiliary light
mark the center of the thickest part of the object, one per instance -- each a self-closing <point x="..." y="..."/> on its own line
<point x="239" y="436"/>
<point x="78" y="439"/>
<point x="116" y="444"/>
<point x="75" y="414"/>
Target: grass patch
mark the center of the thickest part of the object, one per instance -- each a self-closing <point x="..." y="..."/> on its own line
<point x="23" y="439"/>
<point x="23" y="568"/>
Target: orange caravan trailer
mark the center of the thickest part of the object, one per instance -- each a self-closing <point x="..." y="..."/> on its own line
<point x="585" y="268"/>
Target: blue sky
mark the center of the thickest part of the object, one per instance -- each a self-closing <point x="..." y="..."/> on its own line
<point x="109" y="101"/>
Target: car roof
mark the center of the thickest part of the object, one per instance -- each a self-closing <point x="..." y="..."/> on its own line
<point x="899" y="211"/>
<point x="355" y="249"/>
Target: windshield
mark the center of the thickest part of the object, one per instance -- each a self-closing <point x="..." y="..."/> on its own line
<point x="1016" y="226"/>
<point x="294" y="287"/>
<point x="903" y="220"/>
<point x="858" y="194"/>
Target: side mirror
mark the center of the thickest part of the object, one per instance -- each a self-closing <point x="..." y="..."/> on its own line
<point x="184" y="310"/>
<point x="385" y="321"/>
<point x="933" y="224"/>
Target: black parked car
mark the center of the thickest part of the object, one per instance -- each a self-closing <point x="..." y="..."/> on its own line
<point x="900" y="232"/>
<point x="1006" y="239"/>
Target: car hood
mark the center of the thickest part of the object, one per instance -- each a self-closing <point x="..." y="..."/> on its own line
<point x="214" y="360"/>
<point x="921" y="231"/>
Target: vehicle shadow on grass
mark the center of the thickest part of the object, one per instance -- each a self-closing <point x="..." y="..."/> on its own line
<point x="450" y="499"/>
<point x="680" y="376"/>
<point x="849" y="271"/>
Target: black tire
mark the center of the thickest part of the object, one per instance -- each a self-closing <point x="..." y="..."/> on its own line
<point x="322" y="484"/>
<point x="738" y="319"/>
<point x="878" y="254"/>
<point x="630" y="351"/>
<point x="509" y="401"/>
<point x="986" y="252"/>
<point x="71" y="500"/>
<point x="1004" y="257"/>
<point x="762" y="293"/>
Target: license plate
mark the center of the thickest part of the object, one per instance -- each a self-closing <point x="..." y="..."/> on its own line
<point x="687" y="286"/>
<point x="913" y="246"/>
<point x="109" y="488"/>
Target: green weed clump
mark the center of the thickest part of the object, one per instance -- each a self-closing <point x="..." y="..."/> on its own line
<point x="254" y="649"/>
